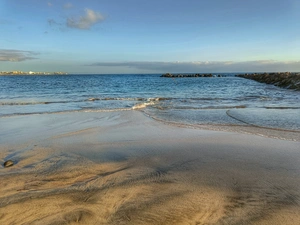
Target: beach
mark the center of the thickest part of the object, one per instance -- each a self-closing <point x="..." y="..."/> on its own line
<point x="124" y="167"/>
<point x="149" y="112"/>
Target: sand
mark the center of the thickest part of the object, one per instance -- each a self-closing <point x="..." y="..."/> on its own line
<point x="126" y="168"/>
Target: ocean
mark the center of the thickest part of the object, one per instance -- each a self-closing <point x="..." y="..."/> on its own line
<point x="215" y="101"/>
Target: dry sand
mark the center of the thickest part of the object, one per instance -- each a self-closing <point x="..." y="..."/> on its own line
<point x="125" y="168"/>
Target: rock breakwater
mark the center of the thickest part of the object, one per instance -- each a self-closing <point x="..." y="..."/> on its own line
<point x="284" y="80"/>
<point x="169" y="75"/>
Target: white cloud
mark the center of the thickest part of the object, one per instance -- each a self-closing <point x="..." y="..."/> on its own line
<point x="208" y="66"/>
<point x="11" y="55"/>
<point x="85" y="22"/>
<point x="49" y="4"/>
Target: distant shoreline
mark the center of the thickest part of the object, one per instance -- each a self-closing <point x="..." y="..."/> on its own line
<point x="32" y="75"/>
<point x="21" y="73"/>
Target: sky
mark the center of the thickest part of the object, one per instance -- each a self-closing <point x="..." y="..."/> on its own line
<point x="150" y="36"/>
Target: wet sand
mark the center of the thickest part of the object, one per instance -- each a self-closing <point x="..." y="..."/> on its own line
<point x="126" y="168"/>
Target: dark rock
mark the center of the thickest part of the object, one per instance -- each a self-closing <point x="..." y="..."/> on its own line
<point x="284" y="80"/>
<point x="169" y="75"/>
<point x="8" y="163"/>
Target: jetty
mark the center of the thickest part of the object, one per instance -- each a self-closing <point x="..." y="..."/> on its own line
<point x="281" y="79"/>
<point x="169" y="75"/>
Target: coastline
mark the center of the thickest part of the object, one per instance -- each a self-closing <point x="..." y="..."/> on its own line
<point x="26" y="74"/>
<point x="126" y="168"/>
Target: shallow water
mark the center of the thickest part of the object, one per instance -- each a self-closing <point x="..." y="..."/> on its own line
<point x="194" y="101"/>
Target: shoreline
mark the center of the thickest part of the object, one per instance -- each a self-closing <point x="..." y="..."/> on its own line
<point x="253" y="129"/>
<point x="127" y="168"/>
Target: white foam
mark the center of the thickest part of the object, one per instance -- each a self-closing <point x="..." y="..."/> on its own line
<point x="142" y="105"/>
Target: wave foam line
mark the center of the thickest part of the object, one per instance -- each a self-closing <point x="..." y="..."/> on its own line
<point x="85" y="100"/>
<point x="36" y="103"/>
<point x="67" y="111"/>
<point x="105" y="110"/>
<point x="115" y="99"/>
<point x="150" y="101"/>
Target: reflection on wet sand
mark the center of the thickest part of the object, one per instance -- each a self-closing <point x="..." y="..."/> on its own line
<point x="163" y="175"/>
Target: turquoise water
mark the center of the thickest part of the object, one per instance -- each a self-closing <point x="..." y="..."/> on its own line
<point x="223" y="100"/>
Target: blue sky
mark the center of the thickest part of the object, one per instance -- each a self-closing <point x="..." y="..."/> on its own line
<point x="157" y="36"/>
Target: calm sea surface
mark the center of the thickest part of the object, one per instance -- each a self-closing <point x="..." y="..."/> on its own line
<point x="226" y="100"/>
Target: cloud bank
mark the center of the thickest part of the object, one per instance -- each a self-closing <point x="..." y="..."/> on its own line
<point x="86" y="21"/>
<point x="206" y="66"/>
<point x="11" y="55"/>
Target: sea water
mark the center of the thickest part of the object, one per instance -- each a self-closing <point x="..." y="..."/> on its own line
<point x="226" y="100"/>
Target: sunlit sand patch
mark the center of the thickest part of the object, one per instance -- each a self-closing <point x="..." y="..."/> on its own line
<point x="107" y="194"/>
<point x="67" y="189"/>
